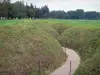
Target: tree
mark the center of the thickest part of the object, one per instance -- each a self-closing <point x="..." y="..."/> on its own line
<point x="10" y="11"/>
<point x="91" y="15"/>
<point x="4" y="5"/>
<point x="58" y="14"/>
<point x="0" y="8"/>
<point x="19" y="9"/>
<point x="44" y="12"/>
<point x="80" y="14"/>
<point x="38" y="13"/>
<point x="98" y="15"/>
<point x="30" y="10"/>
<point x="72" y="15"/>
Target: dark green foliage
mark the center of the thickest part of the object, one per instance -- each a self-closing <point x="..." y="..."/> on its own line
<point x="45" y="12"/>
<point x="92" y="15"/>
<point x="19" y="10"/>
<point x="30" y="11"/>
<point x="4" y="8"/>
<point x="78" y="14"/>
<point x="42" y="12"/>
<point x="58" y="14"/>
<point x="16" y="10"/>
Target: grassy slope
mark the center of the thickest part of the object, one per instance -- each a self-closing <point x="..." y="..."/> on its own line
<point x="23" y="44"/>
<point x="81" y="35"/>
<point x="84" y="37"/>
<point x="84" y="40"/>
<point x="90" y="66"/>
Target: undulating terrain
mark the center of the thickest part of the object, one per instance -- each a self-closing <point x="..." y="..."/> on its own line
<point x="24" y="42"/>
<point x="84" y="37"/>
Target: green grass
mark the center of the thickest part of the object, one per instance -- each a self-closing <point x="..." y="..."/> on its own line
<point x="30" y="39"/>
<point x="74" y="22"/>
<point x="9" y="22"/>
<point x="90" y="66"/>
<point x="84" y="37"/>
<point x="24" y="43"/>
<point x="84" y="40"/>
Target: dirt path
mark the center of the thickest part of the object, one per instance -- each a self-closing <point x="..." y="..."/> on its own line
<point x="65" y="69"/>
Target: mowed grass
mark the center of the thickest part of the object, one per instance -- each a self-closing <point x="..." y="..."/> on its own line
<point x="9" y="22"/>
<point x="26" y="42"/>
<point x="74" y="22"/>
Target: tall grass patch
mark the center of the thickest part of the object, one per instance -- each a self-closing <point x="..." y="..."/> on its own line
<point x="23" y="45"/>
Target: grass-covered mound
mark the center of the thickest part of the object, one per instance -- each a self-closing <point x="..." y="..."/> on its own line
<point x="47" y="28"/>
<point x="60" y="27"/>
<point x="90" y="66"/>
<point x="23" y="44"/>
<point x="84" y="37"/>
<point x="86" y="41"/>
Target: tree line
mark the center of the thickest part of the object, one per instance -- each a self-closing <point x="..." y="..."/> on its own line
<point x="19" y="10"/>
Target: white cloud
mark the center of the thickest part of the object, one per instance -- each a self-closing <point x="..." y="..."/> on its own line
<point x="87" y="5"/>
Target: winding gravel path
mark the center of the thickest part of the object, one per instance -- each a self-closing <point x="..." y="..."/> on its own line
<point x="65" y="68"/>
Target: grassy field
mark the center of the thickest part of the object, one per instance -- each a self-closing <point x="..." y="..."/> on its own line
<point x="84" y="37"/>
<point x="26" y="42"/>
<point x="74" y="22"/>
<point x="9" y="22"/>
<point x="30" y="39"/>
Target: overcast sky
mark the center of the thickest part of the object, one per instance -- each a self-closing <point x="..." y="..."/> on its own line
<point x="87" y="5"/>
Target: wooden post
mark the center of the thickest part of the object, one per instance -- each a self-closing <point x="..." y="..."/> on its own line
<point x="39" y="67"/>
<point x="70" y="67"/>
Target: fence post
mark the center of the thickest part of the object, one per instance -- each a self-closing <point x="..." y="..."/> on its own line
<point x="65" y="50"/>
<point x="39" y="67"/>
<point x="70" y="67"/>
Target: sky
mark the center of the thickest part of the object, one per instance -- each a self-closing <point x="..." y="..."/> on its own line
<point x="66" y="5"/>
